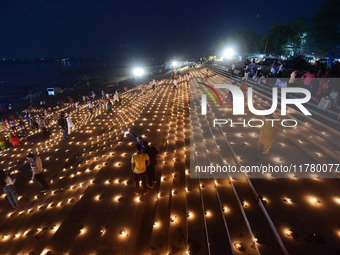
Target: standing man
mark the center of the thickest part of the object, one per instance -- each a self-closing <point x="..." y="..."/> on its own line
<point x="37" y="171"/>
<point x="233" y="66"/>
<point x="139" y="162"/>
<point x="153" y="84"/>
<point x="90" y="107"/>
<point x="330" y="62"/>
<point x="150" y="169"/>
<point x="63" y="125"/>
<point x="118" y="97"/>
<point x="109" y="106"/>
<point x="77" y="107"/>
<point x="70" y="124"/>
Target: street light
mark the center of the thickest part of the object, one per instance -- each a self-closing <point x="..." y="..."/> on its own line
<point x="228" y="53"/>
<point x="174" y="64"/>
<point x="138" y="72"/>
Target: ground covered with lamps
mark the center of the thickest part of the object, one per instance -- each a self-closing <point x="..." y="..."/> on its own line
<point x="91" y="208"/>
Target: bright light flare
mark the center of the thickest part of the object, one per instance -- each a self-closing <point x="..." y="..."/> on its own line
<point x="138" y="72"/>
<point x="229" y="53"/>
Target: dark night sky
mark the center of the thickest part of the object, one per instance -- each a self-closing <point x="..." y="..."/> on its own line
<point x="69" y="28"/>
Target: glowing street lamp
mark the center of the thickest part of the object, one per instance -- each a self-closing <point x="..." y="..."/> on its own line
<point x="138" y="72"/>
<point x="174" y="64"/>
<point x="229" y="53"/>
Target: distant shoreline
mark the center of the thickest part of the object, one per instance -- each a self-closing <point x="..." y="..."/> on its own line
<point x="68" y="79"/>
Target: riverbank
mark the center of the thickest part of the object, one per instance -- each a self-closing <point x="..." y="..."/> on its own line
<point x="77" y="89"/>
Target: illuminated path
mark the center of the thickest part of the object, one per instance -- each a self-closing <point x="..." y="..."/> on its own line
<point x="91" y="208"/>
<point x="307" y="207"/>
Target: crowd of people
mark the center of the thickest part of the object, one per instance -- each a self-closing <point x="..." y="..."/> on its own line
<point x="317" y="79"/>
<point x="180" y="78"/>
<point x="143" y="162"/>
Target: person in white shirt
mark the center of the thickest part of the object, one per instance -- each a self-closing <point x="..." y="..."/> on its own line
<point x="292" y="79"/>
<point x="77" y="107"/>
<point x="246" y="72"/>
<point x="279" y="72"/>
<point x="37" y="171"/>
<point x="70" y="124"/>
<point x="90" y="107"/>
<point x="233" y="66"/>
<point x="153" y="84"/>
<point x="175" y="83"/>
<point x="115" y="98"/>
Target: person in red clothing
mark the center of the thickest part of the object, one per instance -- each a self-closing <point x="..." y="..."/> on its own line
<point x="308" y="79"/>
<point x="17" y="140"/>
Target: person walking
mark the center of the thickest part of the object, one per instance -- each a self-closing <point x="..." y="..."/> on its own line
<point x="37" y="171"/>
<point x="175" y="83"/>
<point x="70" y="124"/>
<point x="7" y="185"/>
<point x="63" y="125"/>
<point x="150" y="169"/>
<point x="139" y="163"/>
<point x="90" y="107"/>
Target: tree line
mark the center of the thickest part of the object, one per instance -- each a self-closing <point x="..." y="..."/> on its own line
<point x="319" y="35"/>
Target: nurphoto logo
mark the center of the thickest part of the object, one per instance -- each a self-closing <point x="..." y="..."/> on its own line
<point x="239" y="104"/>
